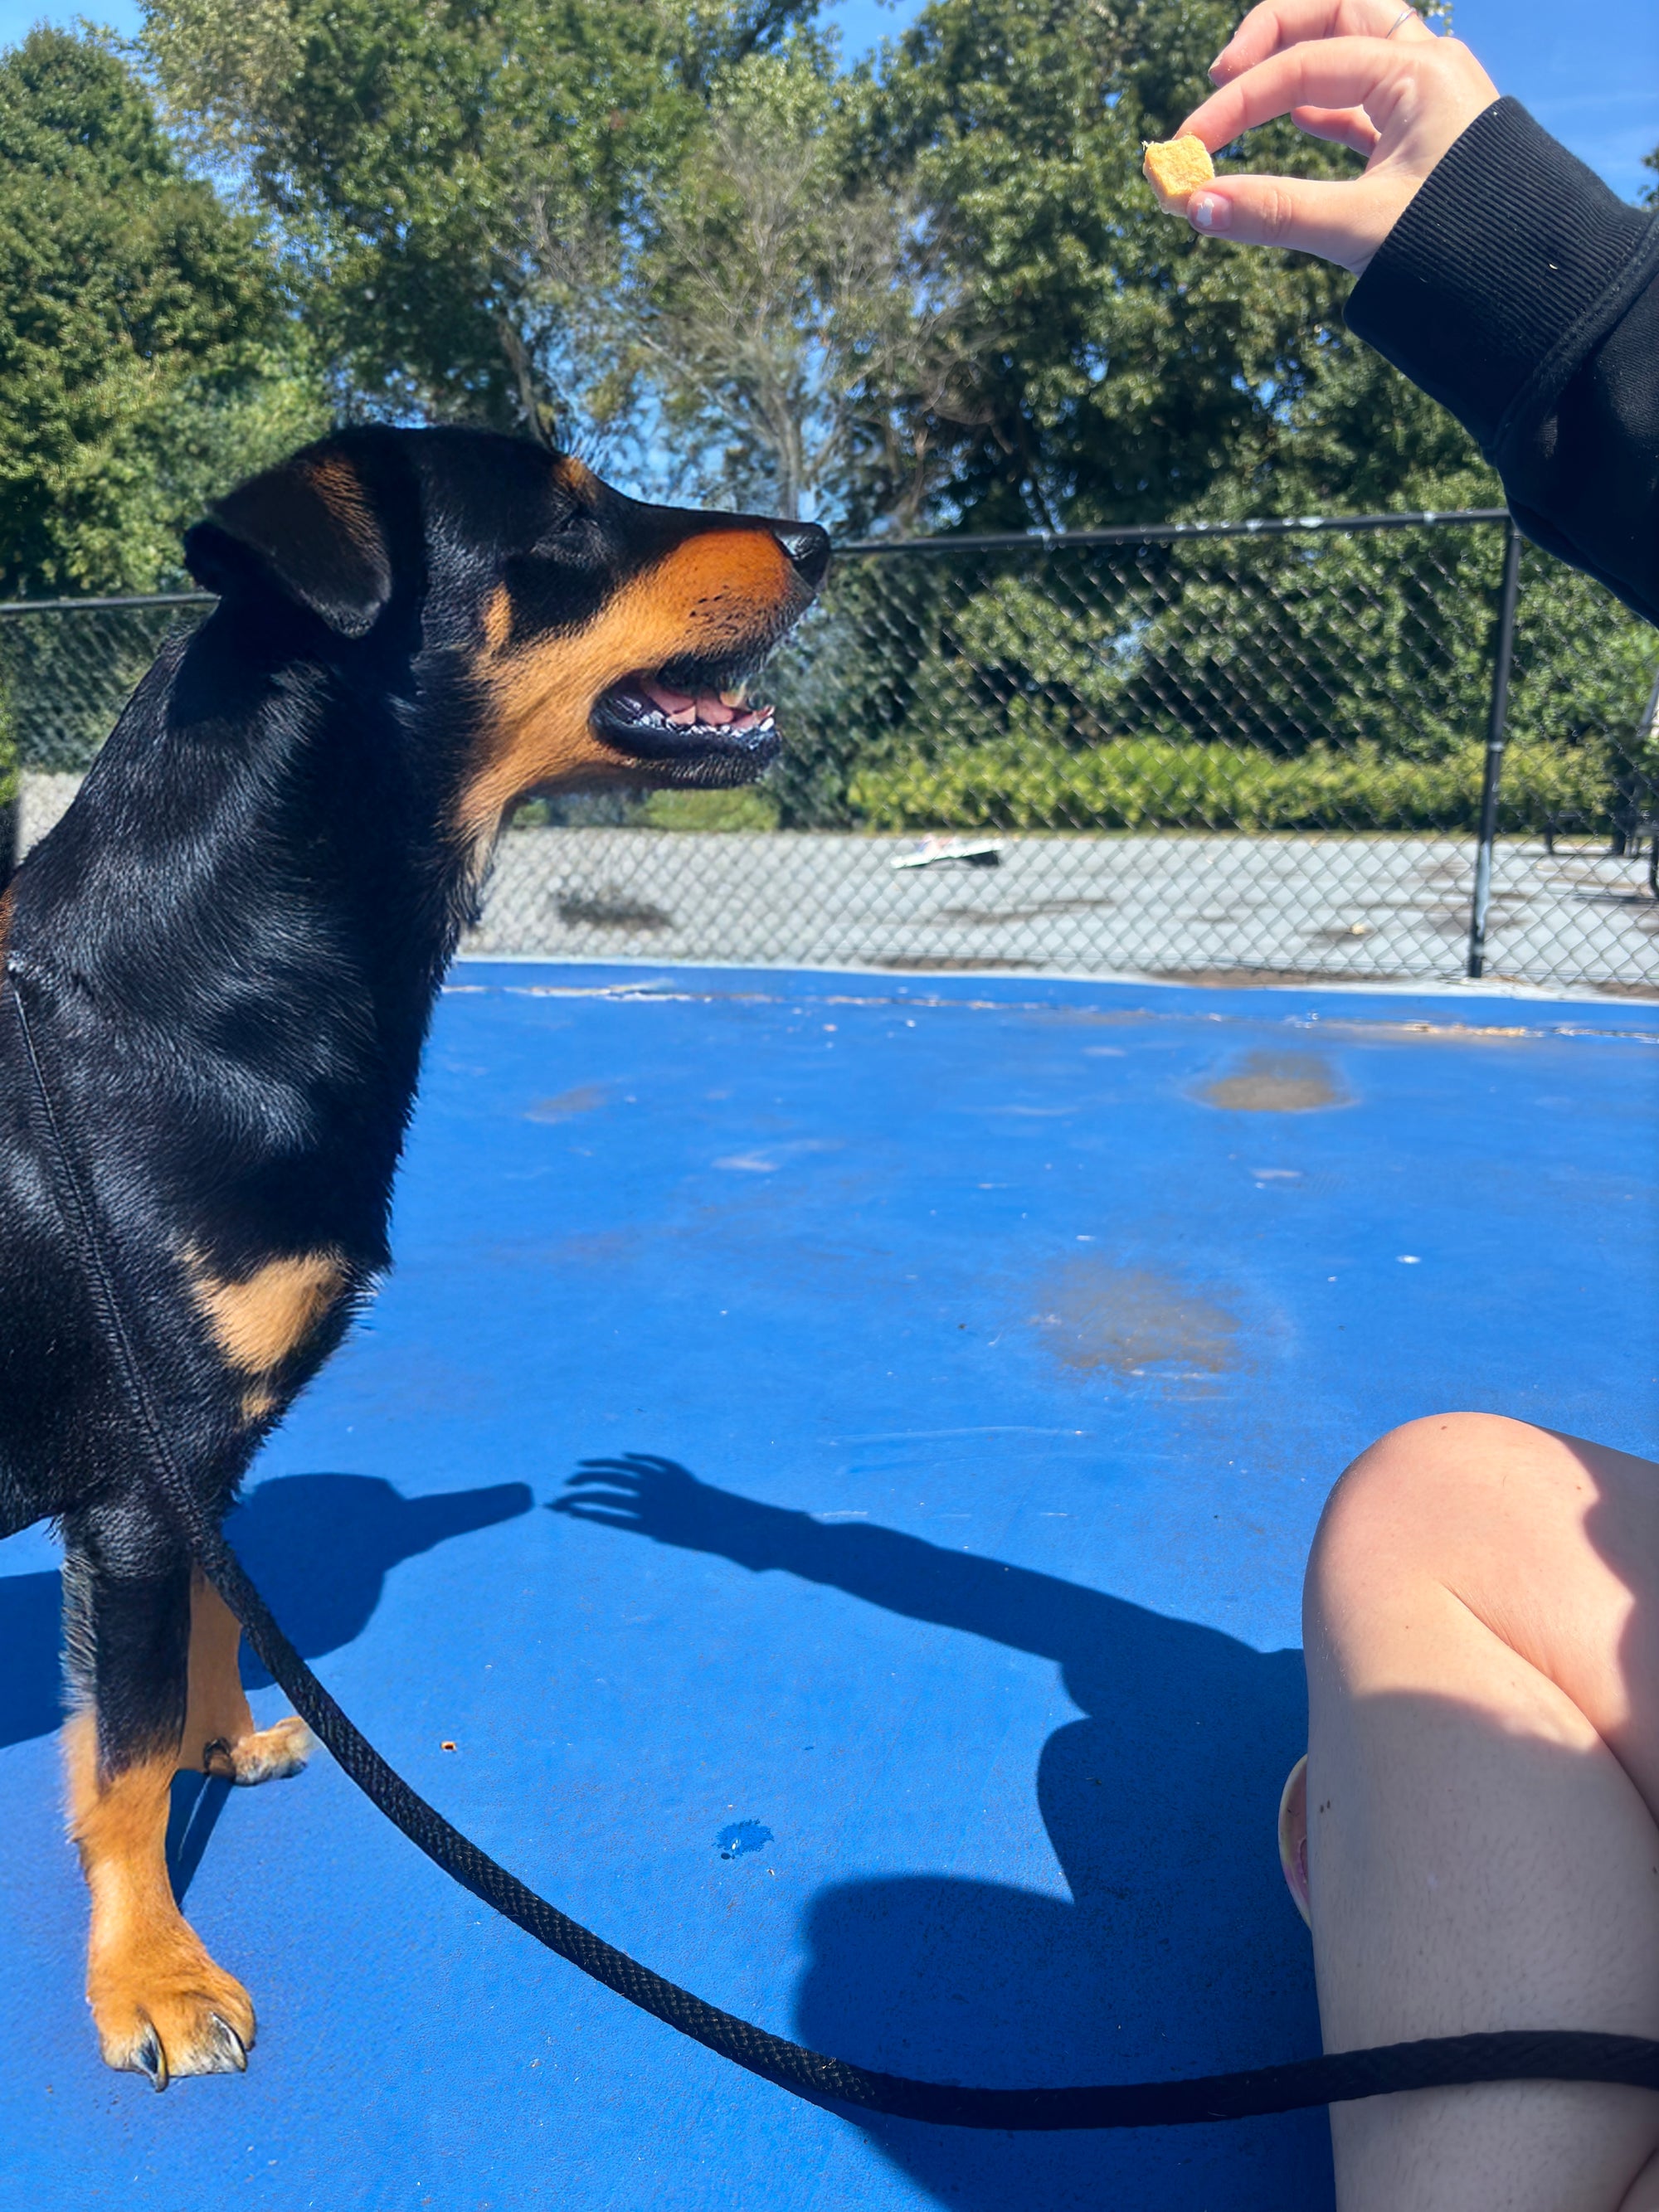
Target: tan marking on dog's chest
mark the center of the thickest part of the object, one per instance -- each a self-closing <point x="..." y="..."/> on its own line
<point x="498" y="618"/>
<point x="262" y="1319"/>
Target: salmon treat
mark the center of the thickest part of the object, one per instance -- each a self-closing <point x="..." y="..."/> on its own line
<point x="1175" y="168"/>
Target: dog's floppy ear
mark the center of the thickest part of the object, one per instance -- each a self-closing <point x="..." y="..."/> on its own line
<point x="309" y="527"/>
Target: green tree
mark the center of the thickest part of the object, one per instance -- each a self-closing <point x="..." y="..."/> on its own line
<point x="143" y="344"/>
<point x="450" y="180"/>
<point x="940" y="291"/>
<point x="791" y="333"/>
<point x="1146" y="374"/>
<point x="1131" y="371"/>
<point x="934" y="293"/>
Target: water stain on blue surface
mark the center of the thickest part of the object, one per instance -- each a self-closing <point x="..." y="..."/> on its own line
<point x="1278" y="1083"/>
<point x="742" y="1836"/>
<point x="1126" y="1320"/>
<point x="585" y="1099"/>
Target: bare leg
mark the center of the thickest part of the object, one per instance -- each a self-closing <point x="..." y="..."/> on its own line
<point x="1482" y="1628"/>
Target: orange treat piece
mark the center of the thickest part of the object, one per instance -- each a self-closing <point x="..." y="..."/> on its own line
<point x="1175" y="168"/>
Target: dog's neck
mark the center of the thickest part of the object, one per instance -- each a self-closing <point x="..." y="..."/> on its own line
<point x="262" y="870"/>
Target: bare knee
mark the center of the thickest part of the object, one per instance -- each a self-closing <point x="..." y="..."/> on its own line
<point x="1534" y="1536"/>
<point x="1417" y="1506"/>
<point x="1432" y="1464"/>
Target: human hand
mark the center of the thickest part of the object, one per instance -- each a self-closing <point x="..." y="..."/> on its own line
<point x="1358" y="73"/>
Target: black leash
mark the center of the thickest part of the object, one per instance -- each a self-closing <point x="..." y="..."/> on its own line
<point x="1439" y="2062"/>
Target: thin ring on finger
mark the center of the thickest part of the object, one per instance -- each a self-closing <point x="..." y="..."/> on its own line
<point x="1399" y="20"/>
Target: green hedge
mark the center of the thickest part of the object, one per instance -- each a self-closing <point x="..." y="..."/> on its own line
<point x="1153" y="783"/>
<point x="1315" y="683"/>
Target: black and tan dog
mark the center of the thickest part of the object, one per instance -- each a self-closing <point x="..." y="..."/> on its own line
<point x="230" y="948"/>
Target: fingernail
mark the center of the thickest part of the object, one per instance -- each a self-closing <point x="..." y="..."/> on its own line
<point x="1207" y="211"/>
<point x="1218" y="66"/>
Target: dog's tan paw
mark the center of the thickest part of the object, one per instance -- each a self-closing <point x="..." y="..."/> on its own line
<point x="169" y="2011"/>
<point x="269" y="1755"/>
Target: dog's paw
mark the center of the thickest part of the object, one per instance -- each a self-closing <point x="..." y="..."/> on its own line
<point x="269" y="1755"/>
<point x="167" y="2010"/>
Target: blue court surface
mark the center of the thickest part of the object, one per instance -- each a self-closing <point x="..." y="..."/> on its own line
<point x="824" y="1497"/>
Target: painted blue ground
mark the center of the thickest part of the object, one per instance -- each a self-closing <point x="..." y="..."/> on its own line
<point x="964" y="1389"/>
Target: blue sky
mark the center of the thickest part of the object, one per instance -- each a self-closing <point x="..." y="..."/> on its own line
<point x="1591" y="76"/>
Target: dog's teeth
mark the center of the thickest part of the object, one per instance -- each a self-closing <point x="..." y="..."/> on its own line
<point x="737" y="696"/>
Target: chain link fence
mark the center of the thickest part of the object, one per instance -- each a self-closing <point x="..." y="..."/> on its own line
<point x="1243" y="750"/>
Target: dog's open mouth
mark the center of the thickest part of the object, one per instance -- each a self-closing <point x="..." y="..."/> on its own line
<point x="698" y="724"/>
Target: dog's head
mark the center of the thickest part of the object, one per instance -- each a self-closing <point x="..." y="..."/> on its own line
<point x="590" y="639"/>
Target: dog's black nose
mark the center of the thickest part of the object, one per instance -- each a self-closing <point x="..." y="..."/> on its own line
<point x="808" y="548"/>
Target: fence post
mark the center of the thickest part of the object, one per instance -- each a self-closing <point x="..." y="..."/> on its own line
<point x="1496" y="721"/>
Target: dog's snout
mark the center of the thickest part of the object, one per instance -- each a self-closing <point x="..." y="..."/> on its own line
<point x="808" y="548"/>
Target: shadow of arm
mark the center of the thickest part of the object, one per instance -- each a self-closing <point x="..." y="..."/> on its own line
<point x="656" y="1497"/>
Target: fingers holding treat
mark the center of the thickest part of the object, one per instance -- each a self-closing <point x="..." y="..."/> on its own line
<point x="1399" y="102"/>
<point x="1367" y="75"/>
<point x="1340" y="222"/>
<point x="1277" y="24"/>
<point x="1418" y="90"/>
<point x="1340" y="126"/>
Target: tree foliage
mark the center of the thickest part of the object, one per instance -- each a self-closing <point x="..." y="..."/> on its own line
<point x="792" y="328"/>
<point x="928" y="293"/>
<point x="934" y="290"/>
<point x="931" y="294"/>
<point x="141" y="332"/>
<point x="1131" y="371"/>
<point x="423" y="155"/>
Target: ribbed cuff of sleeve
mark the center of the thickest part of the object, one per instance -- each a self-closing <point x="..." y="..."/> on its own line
<point x="1513" y="257"/>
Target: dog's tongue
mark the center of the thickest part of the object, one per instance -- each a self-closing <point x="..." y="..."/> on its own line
<point x="685" y="709"/>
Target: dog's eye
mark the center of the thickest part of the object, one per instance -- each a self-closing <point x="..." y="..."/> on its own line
<point x="569" y="515"/>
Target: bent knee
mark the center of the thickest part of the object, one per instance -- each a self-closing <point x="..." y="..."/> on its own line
<point x="1433" y="1499"/>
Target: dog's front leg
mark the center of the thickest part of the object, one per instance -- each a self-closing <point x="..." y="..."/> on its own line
<point x="160" y="2004"/>
<point x="220" y="1737"/>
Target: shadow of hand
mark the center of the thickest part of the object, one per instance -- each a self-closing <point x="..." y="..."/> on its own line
<point x="657" y="1498"/>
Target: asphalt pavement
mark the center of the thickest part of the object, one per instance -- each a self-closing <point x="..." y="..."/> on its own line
<point x="1366" y="909"/>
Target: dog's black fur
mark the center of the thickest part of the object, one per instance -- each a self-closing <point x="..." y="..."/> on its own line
<point x="231" y="947"/>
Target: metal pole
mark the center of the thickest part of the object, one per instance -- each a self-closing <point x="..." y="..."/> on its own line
<point x="1496" y="720"/>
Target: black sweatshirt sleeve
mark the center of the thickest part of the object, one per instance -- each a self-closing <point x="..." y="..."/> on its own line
<point x="1523" y="295"/>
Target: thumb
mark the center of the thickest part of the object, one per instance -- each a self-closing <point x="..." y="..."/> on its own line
<point x="1340" y="223"/>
